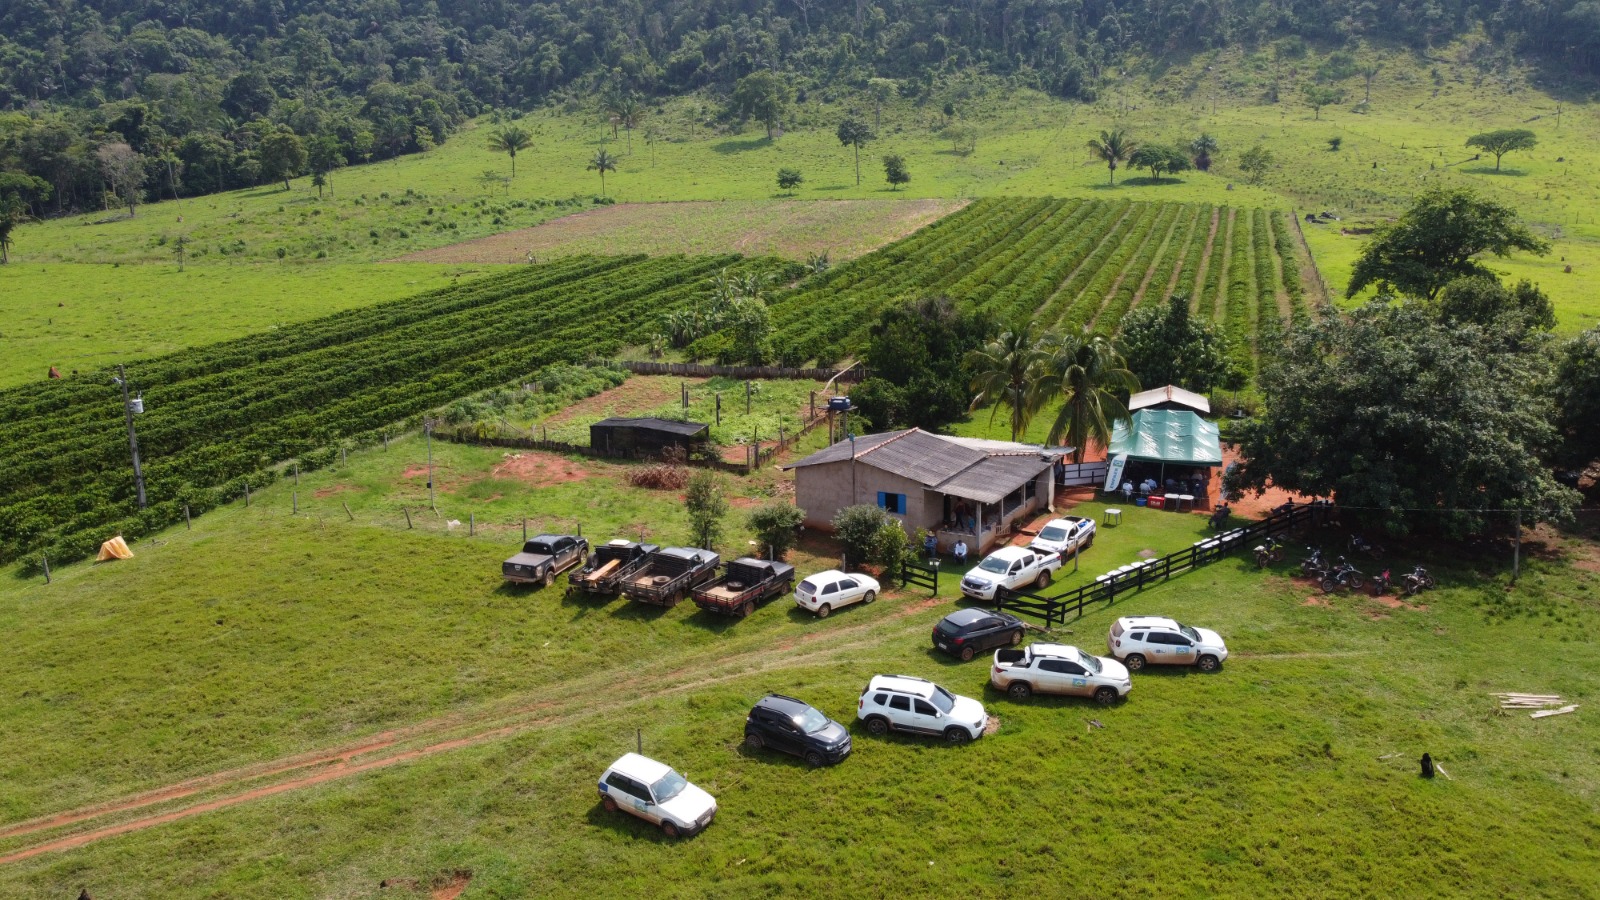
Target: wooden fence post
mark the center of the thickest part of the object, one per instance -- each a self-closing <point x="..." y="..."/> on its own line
<point x="347" y="510"/>
<point x="344" y="457"/>
<point x="407" y="511"/>
<point x="472" y="524"/>
<point x="386" y="442"/>
<point x="187" y="524"/>
<point x="297" y="473"/>
<point x="247" y="494"/>
<point x="524" y="529"/>
<point x="44" y="558"/>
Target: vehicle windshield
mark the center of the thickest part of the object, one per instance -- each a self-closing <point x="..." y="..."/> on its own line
<point x="811" y="721"/>
<point x="1056" y="533"/>
<point x="942" y="700"/>
<point x="1089" y="662"/>
<point x="1190" y="633"/>
<point x="995" y="564"/>
<point x="670" y="785"/>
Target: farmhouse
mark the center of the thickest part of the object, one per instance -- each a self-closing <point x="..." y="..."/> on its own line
<point x="959" y="489"/>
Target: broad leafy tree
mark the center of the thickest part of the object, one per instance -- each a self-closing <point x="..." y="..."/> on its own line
<point x="1406" y="420"/>
<point x="706" y="505"/>
<point x="1481" y="300"/>
<point x="1437" y="241"/>
<point x="1113" y="148"/>
<point x="1089" y="377"/>
<point x="914" y="352"/>
<point x="124" y="170"/>
<point x="282" y="155"/>
<point x="1255" y="162"/>
<point x="511" y="140"/>
<point x="1576" y="392"/>
<point x="1319" y="95"/>
<point x="1503" y="141"/>
<point x="763" y="96"/>
<point x="895" y="171"/>
<point x="854" y="133"/>
<point x="776" y="525"/>
<point x="1159" y="158"/>
<point x="1165" y="344"/>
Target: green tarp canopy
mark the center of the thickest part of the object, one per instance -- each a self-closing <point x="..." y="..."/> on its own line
<point x="1175" y="436"/>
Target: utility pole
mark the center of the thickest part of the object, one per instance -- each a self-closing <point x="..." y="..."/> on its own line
<point x="133" y="439"/>
<point x="427" y="429"/>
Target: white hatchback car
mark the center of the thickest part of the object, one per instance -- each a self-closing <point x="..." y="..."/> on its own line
<point x="1157" y="640"/>
<point x="905" y="703"/>
<point x="654" y="792"/>
<point x="826" y="591"/>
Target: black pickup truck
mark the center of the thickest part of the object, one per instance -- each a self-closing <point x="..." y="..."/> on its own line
<point x="744" y="583"/>
<point x="543" y="557"/>
<point x="669" y="575"/>
<point x="611" y="563"/>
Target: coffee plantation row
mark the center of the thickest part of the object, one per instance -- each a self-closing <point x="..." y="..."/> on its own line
<point x="1065" y="264"/>
<point x="222" y="416"/>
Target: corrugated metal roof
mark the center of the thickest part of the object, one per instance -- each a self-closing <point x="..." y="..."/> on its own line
<point x="922" y="457"/>
<point x="650" y="423"/>
<point x="994" y="477"/>
<point x="1169" y="394"/>
<point x="995" y="448"/>
<point x="841" y="451"/>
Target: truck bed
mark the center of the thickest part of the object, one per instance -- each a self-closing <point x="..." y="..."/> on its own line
<point x="743" y="586"/>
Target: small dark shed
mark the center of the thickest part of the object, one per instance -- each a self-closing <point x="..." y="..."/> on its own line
<point x="647" y="436"/>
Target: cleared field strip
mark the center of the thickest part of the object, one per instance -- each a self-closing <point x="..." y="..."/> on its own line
<point x="791" y="229"/>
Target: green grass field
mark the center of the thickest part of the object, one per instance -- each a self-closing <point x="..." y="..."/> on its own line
<point x="263" y="635"/>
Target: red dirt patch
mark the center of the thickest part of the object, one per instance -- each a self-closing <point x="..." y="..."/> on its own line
<point x="628" y="398"/>
<point x="414" y="472"/>
<point x="1317" y="601"/>
<point x="334" y="489"/>
<point x="453" y="889"/>
<point x="540" y="469"/>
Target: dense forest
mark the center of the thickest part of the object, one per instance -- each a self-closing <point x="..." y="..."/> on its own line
<point x="123" y="99"/>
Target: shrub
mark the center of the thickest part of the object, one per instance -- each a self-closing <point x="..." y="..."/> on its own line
<point x="664" y="476"/>
<point x="706" y="506"/>
<point x="858" y="528"/>
<point x="776" y="526"/>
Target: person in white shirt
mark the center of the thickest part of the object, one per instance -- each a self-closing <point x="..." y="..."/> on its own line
<point x="960" y="551"/>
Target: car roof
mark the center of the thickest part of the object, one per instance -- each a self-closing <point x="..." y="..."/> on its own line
<point x="788" y="706"/>
<point x="1148" y="622"/>
<point x="968" y="615"/>
<point x="904" y="684"/>
<point x="1062" y="522"/>
<point x="1011" y="552"/>
<point x="641" y="767"/>
<point x="1066" y="650"/>
<point x="825" y="573"/>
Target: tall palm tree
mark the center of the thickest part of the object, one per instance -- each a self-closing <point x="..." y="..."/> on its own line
<point x="1006" y="371"/>
<point x="511" y="140"/>
<point x="629" y="112"/>
<point x="603" y="162"/>
<point x="1086" y="373"/>
<point x="1113" y="148"/>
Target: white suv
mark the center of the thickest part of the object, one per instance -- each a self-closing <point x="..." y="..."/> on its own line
<point x="904" y="703"/>
<point x="1138" y="640"/>
<point x="654" y="792"/>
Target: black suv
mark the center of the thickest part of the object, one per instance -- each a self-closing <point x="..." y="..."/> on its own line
<point x="784" y="723"/>
<point x="967" y="632"/>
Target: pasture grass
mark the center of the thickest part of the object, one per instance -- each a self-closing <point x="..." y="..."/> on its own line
<point x="772" y="404"/>
<point x="79" y="316"/>
<point x="262" y="633"/>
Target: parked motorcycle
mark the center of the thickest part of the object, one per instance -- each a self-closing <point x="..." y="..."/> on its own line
<point x="1359" y="544"/>
<point x="1380" y="584"/>
<point x="1417" y="581"/>
<point x="1269" y="551"/>
<point x="1343" y="576"/>
<point x="1219" y="517"/>
<point x="1315" y="565"/>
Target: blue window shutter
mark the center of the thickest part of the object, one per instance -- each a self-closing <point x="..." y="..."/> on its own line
<point x="882" y="500"/>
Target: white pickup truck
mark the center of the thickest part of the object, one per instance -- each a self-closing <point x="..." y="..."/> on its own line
<point x="1014" y="568"/>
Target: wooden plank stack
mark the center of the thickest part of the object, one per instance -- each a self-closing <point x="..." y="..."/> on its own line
<point x="1540" y="702"/>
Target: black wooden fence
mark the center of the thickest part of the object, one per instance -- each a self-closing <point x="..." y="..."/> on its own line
<point x="915" y="572"/>
<point x="1060" y="607"/>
